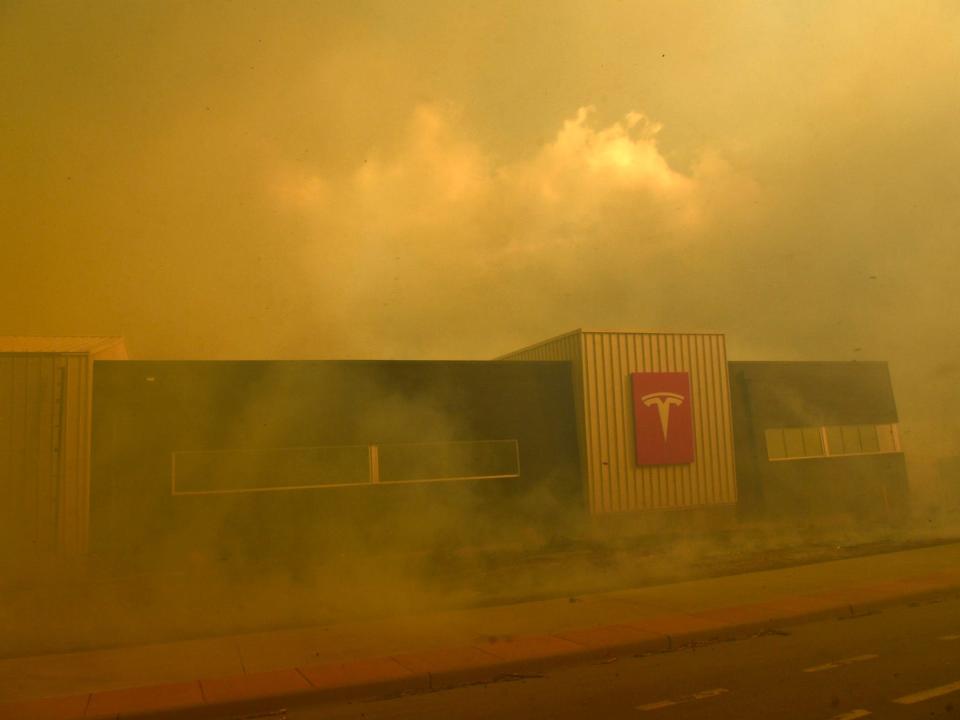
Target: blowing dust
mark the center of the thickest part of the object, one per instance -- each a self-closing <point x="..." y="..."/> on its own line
<point x="429" y="180"/>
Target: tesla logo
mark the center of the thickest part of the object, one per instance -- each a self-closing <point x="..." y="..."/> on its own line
<point x="663" y="418"/>
<point x="663" y="401"/>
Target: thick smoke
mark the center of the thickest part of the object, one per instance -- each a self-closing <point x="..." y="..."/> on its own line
<point x="431" y="180"/>
<point x="579" y="229"/>
<point x="305" y="181"/>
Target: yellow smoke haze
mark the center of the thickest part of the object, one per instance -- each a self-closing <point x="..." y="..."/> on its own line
<point x="432" y="179"/>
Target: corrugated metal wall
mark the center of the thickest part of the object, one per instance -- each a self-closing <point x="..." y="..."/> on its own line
<point x="602" y="363"/>
<point x="31" y="469"/>
<point x="45" y="402"/>
<point x="74" y="500"/>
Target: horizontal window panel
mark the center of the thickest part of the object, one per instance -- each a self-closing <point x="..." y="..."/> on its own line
<point x="812" y="442"/>
<point x="793" y="439"/>
<point x="208" y="472"/>
<point x="775" y="447"/>
<point x="830" y="441"/>
<point x="835" y="440"/>
<point x="868" y="439"/>
<point x="448" y="461"/>
<point x="851" y="439"/>
<point x="886" y="440"/>
<point x="221" y="471"/>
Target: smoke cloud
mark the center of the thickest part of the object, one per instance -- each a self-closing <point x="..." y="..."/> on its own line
<point x="294" y="180"/>
<point x="576" y="221"/>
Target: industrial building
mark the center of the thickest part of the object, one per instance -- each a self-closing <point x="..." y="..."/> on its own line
<point x="613" y="426"/>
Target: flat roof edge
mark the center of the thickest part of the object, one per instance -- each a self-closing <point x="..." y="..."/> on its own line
<point x="595" y="331"/>
<point x="540" y="343"/>
<point x="58" y="344"/>
<point x="293" y="361"/>
<point x="808" y="362"/>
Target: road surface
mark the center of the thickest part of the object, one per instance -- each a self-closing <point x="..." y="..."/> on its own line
<point x="902" y="662"/>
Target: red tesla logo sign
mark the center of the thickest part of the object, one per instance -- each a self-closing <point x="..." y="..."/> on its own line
<point x="663" y="418"/>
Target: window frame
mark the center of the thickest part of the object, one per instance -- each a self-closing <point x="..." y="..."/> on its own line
<point x="828" y="449"/>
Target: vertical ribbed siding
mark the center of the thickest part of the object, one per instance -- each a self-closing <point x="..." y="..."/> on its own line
<point x="44" y="450"/>
<point x="29" y="477"/>
<point x="601" y="364"/>
<point x="74" y="455"/>
<point x="617" y="483"/>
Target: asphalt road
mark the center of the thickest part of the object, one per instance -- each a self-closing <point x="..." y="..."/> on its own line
<point x="903" y="662"/>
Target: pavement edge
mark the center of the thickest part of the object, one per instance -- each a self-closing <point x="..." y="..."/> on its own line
<point x="490" y="660"/>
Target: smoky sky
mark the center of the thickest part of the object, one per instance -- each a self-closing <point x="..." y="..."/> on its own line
<point x="454" y="180"/>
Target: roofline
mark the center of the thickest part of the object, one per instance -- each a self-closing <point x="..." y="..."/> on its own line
<point x="594" y="331"/>
<point x="808" y="362"/>
<point x="315" y="361"/>
<point x="107" y="341"/>
<point x="578" y="331"/>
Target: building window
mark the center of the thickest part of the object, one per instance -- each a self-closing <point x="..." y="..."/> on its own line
<point x="831" y="441"/>
<point x="887" y="438"/>
<point x="776" y="450"/>
<point x="221" y="472"/>
<point x="812" y="442"/>
<point x="850" y="437"/>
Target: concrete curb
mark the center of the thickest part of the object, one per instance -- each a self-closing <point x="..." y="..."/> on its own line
<point x="485" y="661"/>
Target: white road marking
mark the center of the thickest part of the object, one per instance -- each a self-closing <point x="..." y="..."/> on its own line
<point x="839" y="663"/>
<point x="702" y="695"/>
<point x="656" y="705"/>
<point x="950" y="637"/>
<point x="852" y="715"/>
<point x="928" y="694"/>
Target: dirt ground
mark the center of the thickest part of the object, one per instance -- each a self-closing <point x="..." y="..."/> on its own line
<point x="100" y="606"/>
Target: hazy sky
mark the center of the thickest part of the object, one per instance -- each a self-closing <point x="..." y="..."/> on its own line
<point x="456" y="179"/>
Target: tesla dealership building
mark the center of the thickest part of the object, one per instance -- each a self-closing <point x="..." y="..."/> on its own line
<point x="666" y="422"/>
<point x="593" y="424"/>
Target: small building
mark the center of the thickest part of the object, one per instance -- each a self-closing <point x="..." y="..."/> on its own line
<point x="653" y="418"/>
<point x="46" y="386"/>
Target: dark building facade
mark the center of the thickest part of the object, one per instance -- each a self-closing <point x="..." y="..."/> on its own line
<point x="816" y="438"/>
<point x="267" y="457"/>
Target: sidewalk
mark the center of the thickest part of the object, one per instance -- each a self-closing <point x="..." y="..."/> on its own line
<point x="271" y="670"/>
